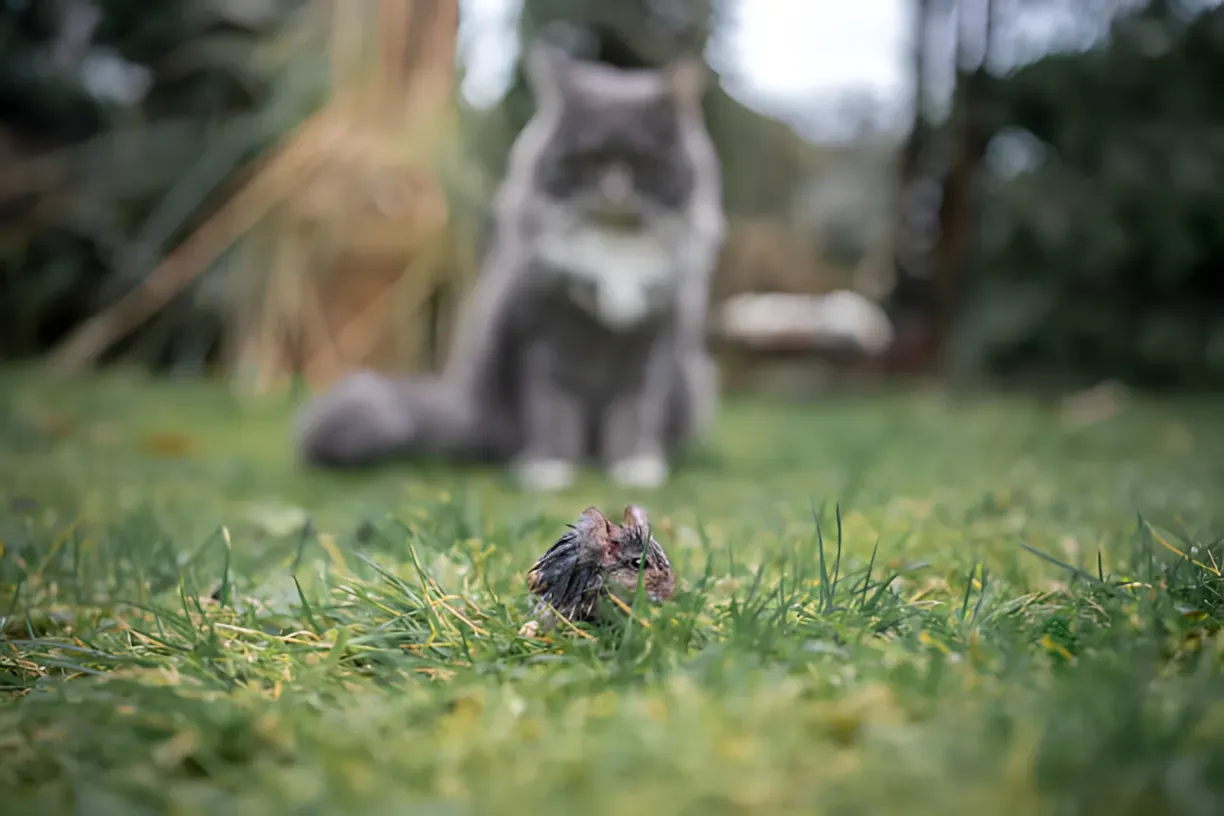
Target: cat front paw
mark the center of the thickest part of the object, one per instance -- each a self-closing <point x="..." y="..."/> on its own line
<point x="545" y="475"/>
<point x="644" y="470"/>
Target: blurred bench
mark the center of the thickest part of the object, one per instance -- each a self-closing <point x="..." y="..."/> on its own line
<point x="798" y="343"/>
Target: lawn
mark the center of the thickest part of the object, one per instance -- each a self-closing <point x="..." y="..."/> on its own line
<point x="902" y="603"/>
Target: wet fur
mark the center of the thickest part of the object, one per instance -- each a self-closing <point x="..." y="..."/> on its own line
<point x="594" y="557"/>
<point x="536" y="372"/>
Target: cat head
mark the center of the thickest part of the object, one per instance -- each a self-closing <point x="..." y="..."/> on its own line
<point x="616" y="151"/>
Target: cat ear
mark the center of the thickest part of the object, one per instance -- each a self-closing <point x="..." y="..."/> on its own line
<point x="546" y="66"/>
<point x="686" y="79"/>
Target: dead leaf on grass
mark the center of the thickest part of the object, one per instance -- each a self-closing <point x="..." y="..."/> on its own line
<point x="168" y="444"/>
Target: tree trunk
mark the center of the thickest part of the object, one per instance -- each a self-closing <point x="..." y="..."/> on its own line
<point x="968" y="140"/>
<point x="924" y="297"/>
<point x="908" y="297"/>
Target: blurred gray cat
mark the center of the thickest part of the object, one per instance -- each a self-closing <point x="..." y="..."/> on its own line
<point x="584" y="336"/>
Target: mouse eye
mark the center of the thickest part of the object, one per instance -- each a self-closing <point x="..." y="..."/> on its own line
<point x="636" y="563"/>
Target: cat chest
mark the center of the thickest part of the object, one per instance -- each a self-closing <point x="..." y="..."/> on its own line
<point x="619" y="279"/>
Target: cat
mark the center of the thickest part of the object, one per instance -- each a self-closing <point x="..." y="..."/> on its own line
<point x="585" y="334"/>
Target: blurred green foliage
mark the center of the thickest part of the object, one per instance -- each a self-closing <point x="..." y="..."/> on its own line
<point x="136" y="132"/>
<point x="1103" y="257"/>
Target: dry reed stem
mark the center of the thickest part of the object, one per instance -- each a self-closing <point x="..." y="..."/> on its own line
<point x="324" y="136"/>
<point x="279" y="176"/>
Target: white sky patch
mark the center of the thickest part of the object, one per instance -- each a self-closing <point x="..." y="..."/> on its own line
<point x="786" y="55"/>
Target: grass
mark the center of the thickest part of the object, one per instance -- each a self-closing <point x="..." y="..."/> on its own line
<point x="890" y="604"/>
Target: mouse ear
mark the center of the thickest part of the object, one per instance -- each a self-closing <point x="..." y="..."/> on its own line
<point x="635" y="517"/>
<point x="598" y="533"/>
<point x="595" y="523"/>
<point x="591" y="515"/>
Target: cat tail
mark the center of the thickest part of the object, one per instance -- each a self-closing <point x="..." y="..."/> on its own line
<point x="837" y="321"/>
<point x="366" y="418"/>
